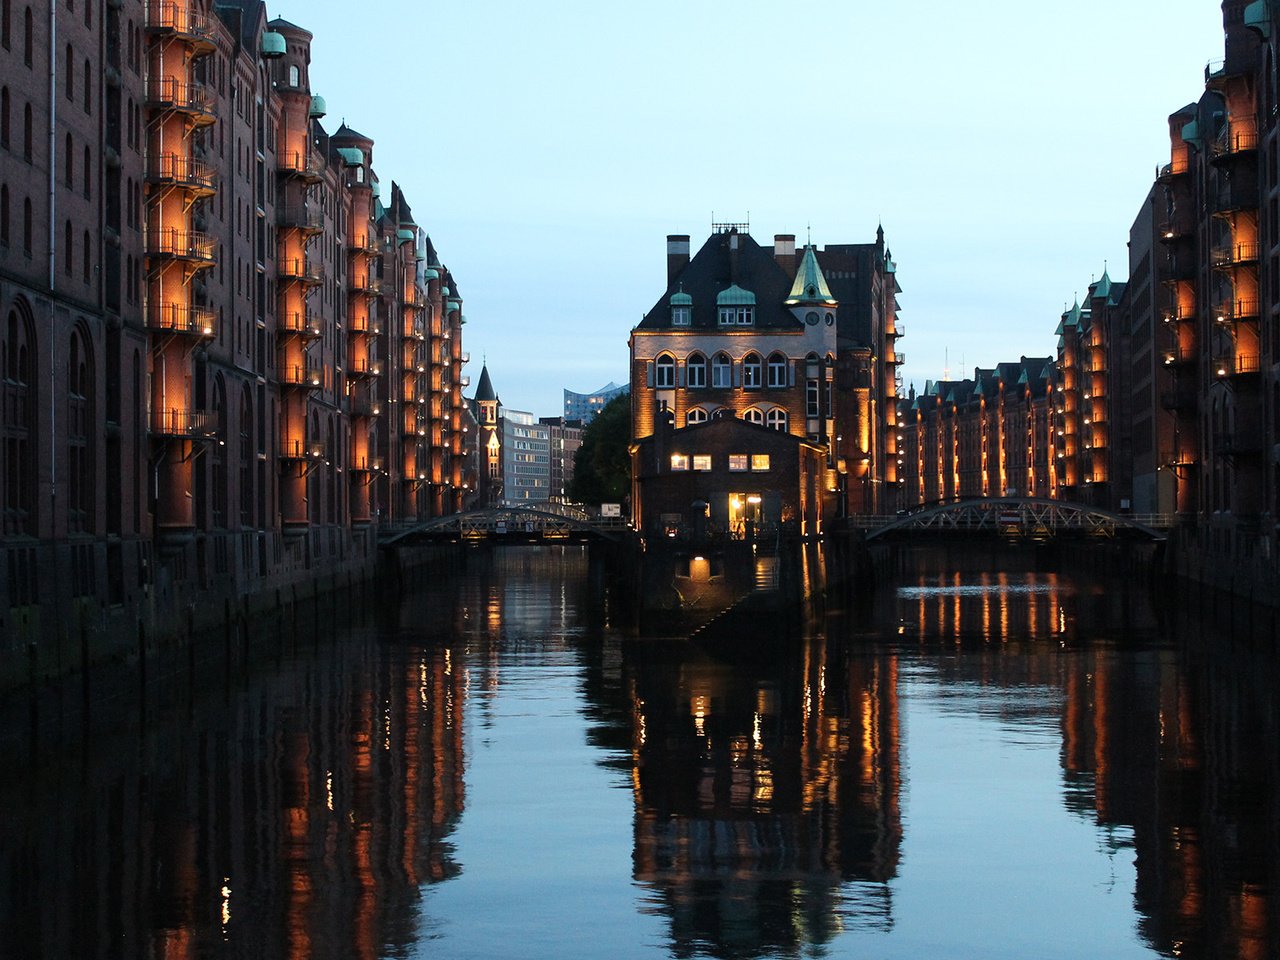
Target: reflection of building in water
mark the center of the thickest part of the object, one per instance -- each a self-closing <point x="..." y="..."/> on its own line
<point x="301" y="824"/>
<point x="760" y="790"/>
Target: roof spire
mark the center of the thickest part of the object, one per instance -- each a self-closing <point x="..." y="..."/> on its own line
<point x="810" y="285"/>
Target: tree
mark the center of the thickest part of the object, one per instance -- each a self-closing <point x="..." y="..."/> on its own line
<point x="602" y="466"/>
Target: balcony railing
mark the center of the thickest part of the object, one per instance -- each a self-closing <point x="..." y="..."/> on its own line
<point x="464" y="357"/>
<point x="899" y="330"/>
<point x="302" y="164"/>
<point x="1174" y="229"/>
<point x="1233" y="254"/>
<point x="413" y="298"/>
<point x="1180" y="356"/>
<point x="368" y="464"/>
<point x="1174" y="169"/>
<point x="297" y="269"/>
<point x="365" y="407"/>
<point x="306" y="219"/>
<point x="1237" y="193"/>
<point x="181" y="318"/>
<point x="1234" y="310"/>
<point x="302" y="375"/>
<point x="363" y="368"/>
<point x="1233" y="141"/>
<point x="464" y="381"/>
<point x="302" y="449"/>
<point x="174" y="244"/>
<point x="300" y="323"/>
<point x="369" y="286"/>
<point x="170" y="93"/>
<point x="178" y="19"/>
<point x="185" y="172"/>
<point x="1237" y="365"/>
<point x="369" y="243"/>
<point x="173" y="422"/>
<point x="898" y="358"/>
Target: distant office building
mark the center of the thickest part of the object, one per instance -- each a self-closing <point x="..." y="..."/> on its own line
<point x="526" y="458"/>
<point x="585" y="406"/>
<point x="565" y="437"/>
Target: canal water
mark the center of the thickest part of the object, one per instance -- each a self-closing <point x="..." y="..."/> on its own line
<point x="990" y="758"/>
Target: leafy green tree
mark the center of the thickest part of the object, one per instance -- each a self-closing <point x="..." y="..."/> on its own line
<point x="602" y="467"/>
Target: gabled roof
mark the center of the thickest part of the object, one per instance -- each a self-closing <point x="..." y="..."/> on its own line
<point x="727" y="260"/>
<point x="810" y="286"/>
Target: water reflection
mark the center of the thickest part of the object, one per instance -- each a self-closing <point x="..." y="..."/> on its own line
<point x="763" y="787"/>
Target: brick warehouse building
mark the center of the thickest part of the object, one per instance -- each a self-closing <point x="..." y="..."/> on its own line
<point x="801" y="343"/>
<point x="228" y="352"/>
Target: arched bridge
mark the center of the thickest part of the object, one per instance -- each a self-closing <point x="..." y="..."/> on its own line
<point x="1016" y="516"/>
<point x="510" y="524"/>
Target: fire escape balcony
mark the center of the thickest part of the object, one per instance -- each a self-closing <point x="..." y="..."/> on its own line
<point x="363" y="369"/>
<point x="1235" y="192"/>
<point x="186" y="97"/>
<point x="303" y="164"/>
<point x="172" y="423"/>
<point x="198" y="178"/>
<point x="367" y="243"/>
<point x="1179" y="356"/>
<point x="1229" y="365"/>
<point x="899" y="330"/>
<point x="1235" y="141"/>
<point x="1175" y="229"/>
<point x="368" y="464"/>
<point x="413" y="331"/>
<point x="464" y="381"/>
<point x="1234" y="311"/>
<point x="1183" y="399"/>
<point x="1218" y="73"/>
<point x="189" y="246"/>
<point x="413" y="298"/>
<point x="309" y="220"/>
<point x="1234" y="254"/>
<point x="304" y="376"/>
<point x="181" y="318"/>
<point x="169" y="18"/>
<point x="302" y="450"/>
<point x="365" y="285"/>
<point x="1171" y="171"/>
<point x="300" y="323"/>
<point x="464" y="357"/>
<point x="298" y="270"/>
<point x="363" y="406"/>
<point x="896" y="359"/>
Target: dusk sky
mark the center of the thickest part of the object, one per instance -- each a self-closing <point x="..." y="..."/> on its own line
<point x="550" y="148"/>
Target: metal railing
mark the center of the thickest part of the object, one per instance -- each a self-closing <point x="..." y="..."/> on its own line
<point x="182" y="244"/>
<point x="182" y="171"/>
<point x="174" y="17"/>
<point x="172" y="422"/>
<point x="181" y="318"/>
<point x="302" y="449"/>
<point x="186" y="95"/>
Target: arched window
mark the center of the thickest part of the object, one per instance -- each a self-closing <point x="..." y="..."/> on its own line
<point x="80" y="431"/>
<point x="86" y="257"/>
<point x="664" y="371"/>
<point x="331" y="452"/>
<point x="66" y="248"/>
<point x="218" y="453"/>
<point x="87" y="171"/>
<point x="721" y="370"/>
<point x="295" y="75"/>
<point x="6" y="24"/>
<point x="246" y="458"/>
<point x="71" y="73"/>
<point x="696" y="415"/>
<point x="4" y="215"/>
<point x="17" y="428"/>
<point x="26" y="226"/>
<point x="776" y="419"/>
<point x="754" y="415"/>
<point x="27" y="45"/>
<point x="777" y="370"/>
<point x="68" y="163"/>
<point x="4" y="118"/>
<point x="26" y="133"/>
<point x="88" y="85"/>
<point x="696" y="370"/>
<point x="752" y="370"/>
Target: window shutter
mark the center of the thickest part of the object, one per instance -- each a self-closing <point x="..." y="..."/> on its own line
<point x="737" y="374"/>
<point x="650" y="374"/>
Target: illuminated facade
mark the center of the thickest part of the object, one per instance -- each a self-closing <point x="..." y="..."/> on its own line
<point x="227" y="355"/>
<point x="802" y="342"/>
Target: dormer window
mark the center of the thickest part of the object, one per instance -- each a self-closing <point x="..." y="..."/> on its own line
<point x="681" y="316"/>
<point x="736" y="307"/>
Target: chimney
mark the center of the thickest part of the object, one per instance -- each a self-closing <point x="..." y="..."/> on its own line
<point x="784" y="252"/>
<point x="677" y="256"/>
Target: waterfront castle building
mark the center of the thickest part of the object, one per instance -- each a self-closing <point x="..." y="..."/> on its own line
<point x="229" y="351"/>
<point x="764" y="383"/>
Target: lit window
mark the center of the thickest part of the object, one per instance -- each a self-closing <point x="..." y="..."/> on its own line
<point x="664" y="372"/>
<point x="696" y="370"/>
<point x="738" y="462"/>
<point x="721" y="371"/>
<point x="679" y="461"/>
<point x="696" y="415"/>
<point x="740" y="316"/>
<point x="759" y="462"/>
<point x="751" y="371"/>
<point x="754" y="416"/>
<point x="702" y="461"/>
<point x="777" y="419"/>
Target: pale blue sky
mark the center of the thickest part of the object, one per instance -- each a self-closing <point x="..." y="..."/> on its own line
<point x="550" y="148"/>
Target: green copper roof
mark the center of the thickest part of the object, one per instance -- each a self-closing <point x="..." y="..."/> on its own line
<point x="273" y="44"/>
<point x="811" y="285"/>
<point x="404" y="233"/>
<point x="1071" y="318"/>
<point x="1255" y="17"/>
<point x="735" y="296"/>
<point x="1103" y="287"/>
<point x="318" y="107"/>
<point x="682" y="299"/>
<point x="351" y="156"/>
<point x="431" y="273"/>
<point x="453" y="306"/>
<point x="1191" y="133"/>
